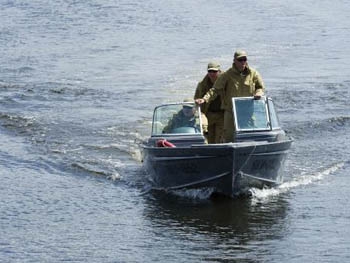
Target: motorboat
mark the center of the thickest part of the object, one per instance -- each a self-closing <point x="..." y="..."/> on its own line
<point x="177" y="156"/>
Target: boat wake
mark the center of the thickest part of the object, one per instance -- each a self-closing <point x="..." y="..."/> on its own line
<point x="258" y="196"/>
<point x="264" y="195"/>
<point x="93" y="168"/>
<point x="199" y="194"/>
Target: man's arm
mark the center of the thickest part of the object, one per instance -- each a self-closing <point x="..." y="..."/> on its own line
<point x="259" y="86"/>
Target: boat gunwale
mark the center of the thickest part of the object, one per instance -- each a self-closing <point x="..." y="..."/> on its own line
<point x="223" y="145"/>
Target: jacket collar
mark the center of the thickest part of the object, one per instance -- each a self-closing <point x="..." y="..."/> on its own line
<point x="245" y="72"/>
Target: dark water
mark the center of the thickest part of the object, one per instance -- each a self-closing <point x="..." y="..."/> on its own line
<point x="78" y="83"/>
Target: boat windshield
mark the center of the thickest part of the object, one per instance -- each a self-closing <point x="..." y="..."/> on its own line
<point x="180" y="118"/>
<point x="254" y="115"/>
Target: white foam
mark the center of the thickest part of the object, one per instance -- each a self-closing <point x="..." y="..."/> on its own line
<point x="114" y="177"/>
<point x="200" y="194"/>
<point x="263" y="195"/>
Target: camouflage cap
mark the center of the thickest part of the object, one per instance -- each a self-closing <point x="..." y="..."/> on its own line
<point x="240" y="54"/>
<point x="188" y="100"/>
<point x="213" y="66"/>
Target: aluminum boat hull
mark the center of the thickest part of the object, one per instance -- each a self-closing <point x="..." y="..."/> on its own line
<point x="229" y="168"/>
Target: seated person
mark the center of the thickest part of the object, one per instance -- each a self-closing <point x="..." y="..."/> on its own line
<point x="184" y="118"/>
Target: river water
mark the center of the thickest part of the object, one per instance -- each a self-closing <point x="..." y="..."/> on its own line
<point x="78" y="83"/>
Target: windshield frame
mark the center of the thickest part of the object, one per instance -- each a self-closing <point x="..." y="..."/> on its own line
<point x="163" y="113"/>
<point x="264" y="109"/>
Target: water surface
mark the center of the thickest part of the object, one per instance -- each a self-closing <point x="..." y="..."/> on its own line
<point x="78" y="84"/>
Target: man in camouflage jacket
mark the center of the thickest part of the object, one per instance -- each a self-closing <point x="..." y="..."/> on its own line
<point x="239" y="81"/>
<point x="212" y="111"/>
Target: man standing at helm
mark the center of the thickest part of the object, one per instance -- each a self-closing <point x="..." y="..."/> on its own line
<point x="239" y="81"/>
<point x="212" y="110"/>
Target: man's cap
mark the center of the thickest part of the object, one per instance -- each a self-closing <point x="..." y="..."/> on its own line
<point x="214" y="66"/>
<point x="240" y="54"/>
<point x="188" y="100"/>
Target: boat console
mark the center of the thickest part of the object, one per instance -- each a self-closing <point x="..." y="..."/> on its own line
<point x="181" y="123"/>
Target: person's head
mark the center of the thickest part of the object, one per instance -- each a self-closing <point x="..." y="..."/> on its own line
<point x="240" y="59"/>
<point x="213" y="70"/>
<point x="188" y="109"/>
